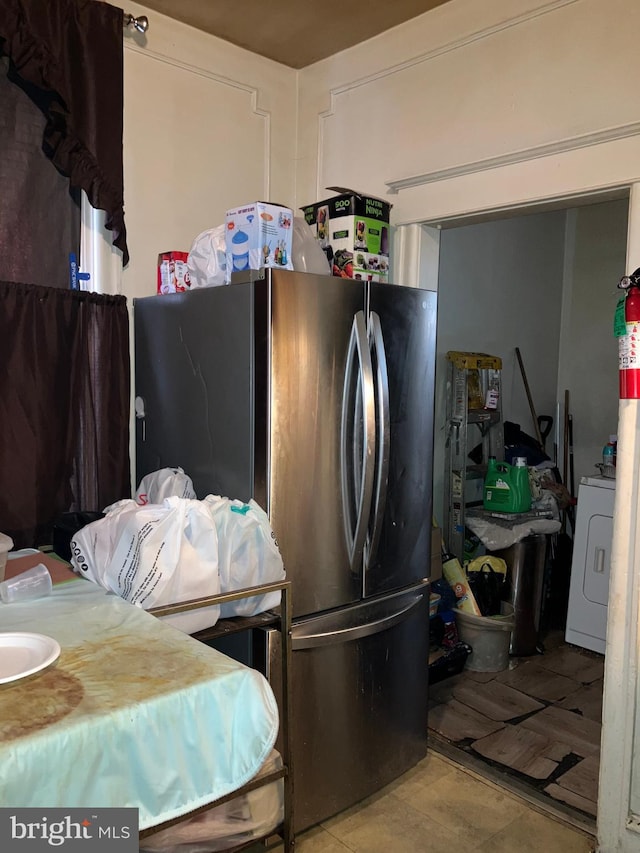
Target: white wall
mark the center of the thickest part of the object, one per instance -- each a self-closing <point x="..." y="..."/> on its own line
<point x="207" y="126"/>
<point x="500" y="287"/>
<point x="597" y="240"/>
<point x="477" y="106"/>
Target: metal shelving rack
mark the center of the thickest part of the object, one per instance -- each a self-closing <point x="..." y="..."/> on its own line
<point x="281" y="620"/>
<point x="473" y="416"/>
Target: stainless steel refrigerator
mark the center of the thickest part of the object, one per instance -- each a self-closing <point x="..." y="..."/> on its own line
<point x="314" y="395"/>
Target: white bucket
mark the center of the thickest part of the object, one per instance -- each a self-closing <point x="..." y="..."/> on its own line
<point x="488" y="636"/>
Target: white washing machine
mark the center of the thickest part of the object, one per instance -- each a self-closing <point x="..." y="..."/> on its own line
<point x="591" y="564"/>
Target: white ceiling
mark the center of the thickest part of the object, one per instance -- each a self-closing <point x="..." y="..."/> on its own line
<point x="294" y="32"/>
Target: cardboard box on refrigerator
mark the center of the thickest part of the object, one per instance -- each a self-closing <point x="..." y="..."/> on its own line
<point x="257" y="235"/>
<point x="353" y="230"/>
<point x="173" y="272"/>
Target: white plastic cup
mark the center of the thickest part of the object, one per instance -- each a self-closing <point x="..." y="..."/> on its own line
<point x="34" y="583"/>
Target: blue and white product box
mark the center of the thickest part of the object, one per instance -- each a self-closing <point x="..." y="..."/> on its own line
<point x="258" y="235"/>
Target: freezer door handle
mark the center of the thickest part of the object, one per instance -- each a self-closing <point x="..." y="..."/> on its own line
<point x="357" y="462"/>
<point x="301" y="639"/>
<point x="382" y="438"/>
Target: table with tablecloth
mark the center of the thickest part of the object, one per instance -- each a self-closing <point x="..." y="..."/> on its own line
<point x="133" y="712"/>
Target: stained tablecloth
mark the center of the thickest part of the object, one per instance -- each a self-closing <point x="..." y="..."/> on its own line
<point x="133" y="713"/>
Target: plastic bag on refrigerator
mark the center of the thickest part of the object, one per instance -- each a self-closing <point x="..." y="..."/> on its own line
<point x="207" y="259"/>
<point x="306" y="251"/>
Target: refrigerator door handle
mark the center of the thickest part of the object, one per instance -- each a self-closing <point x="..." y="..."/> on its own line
<point x="313" y="639"/>
<point x="359" y="466"/>
<point x="383" y="430"/>
<point x="141" y="415"/>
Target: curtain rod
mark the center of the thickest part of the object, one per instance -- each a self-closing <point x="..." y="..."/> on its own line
<point x="140" y="24"/>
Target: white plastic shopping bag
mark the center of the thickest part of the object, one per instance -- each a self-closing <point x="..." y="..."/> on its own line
<point x="165" y="483"/>
<point x="207" y="259"/>
<point x="248" y="554"/>
<point x="226" y="826"/>
<point x="154" y="555"/>
<point x="179" y="550"/>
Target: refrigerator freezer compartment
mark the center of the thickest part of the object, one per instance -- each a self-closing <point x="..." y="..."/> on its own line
<point x="360" y="698"/>
<point x="355" y="622"/>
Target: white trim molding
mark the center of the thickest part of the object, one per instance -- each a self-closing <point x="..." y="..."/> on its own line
<point x="251" y="91"/>
<point x="619" y="784"/>
<point x="526" y="154"/>
<point x="450" y="46"/>
<point x="345" y="88"/>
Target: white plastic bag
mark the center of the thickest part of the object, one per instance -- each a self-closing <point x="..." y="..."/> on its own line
<point x="154" y="555"/>
<point x="306" y="251"/>
<point x="207" y="259"/>
<point x="179" y="550"/>
<point x="165" y="483"/>
<point x="496" y="535"/>
<point x="238" y="821"/>
<point x="248" y="553"/>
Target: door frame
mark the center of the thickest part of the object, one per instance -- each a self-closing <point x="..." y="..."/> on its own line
<point x="416" y="246"/>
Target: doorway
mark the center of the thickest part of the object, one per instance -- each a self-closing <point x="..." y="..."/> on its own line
<point x="542" y="280"/>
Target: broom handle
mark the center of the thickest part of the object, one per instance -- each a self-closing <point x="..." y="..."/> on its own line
<point x="529" y="398"/>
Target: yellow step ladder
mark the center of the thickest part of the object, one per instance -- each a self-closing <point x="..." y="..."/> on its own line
<point x="473" y="421"/>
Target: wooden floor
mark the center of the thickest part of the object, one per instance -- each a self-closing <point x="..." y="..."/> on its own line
<point x="535" y="726"/>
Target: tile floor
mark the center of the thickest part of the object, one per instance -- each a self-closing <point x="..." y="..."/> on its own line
<point x="512" y="766"/>
<point x="440" y="807"/>
<point x="535" y="726"/>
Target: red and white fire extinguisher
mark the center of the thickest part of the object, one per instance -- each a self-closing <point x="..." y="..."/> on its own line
<point x="629" y="339"/>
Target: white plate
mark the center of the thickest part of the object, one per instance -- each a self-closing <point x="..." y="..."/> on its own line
<point x="22" y="654"/>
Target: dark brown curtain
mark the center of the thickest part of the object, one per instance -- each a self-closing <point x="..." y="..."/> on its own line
<point x="64" y="406"/>
<point x="66" y="55"/>
<point x="64" y="355"/>
<point x="39" y="213"/>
